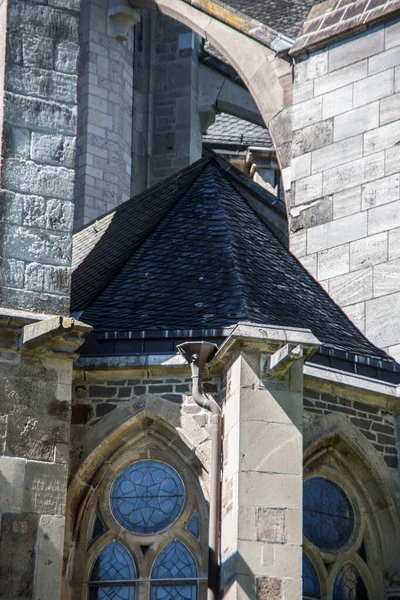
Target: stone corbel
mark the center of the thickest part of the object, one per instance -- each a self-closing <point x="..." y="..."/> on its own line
<point x="121" y="17"/>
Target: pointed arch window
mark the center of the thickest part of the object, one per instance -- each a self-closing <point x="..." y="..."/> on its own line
<point x="349" y="584"/>
<point x="113" y="566"/>
<point x="175" y="562"/>
<point x="311" y="585"/>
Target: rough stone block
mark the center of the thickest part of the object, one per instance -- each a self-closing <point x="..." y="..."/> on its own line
<point x="18" y="141"/>
<point x="337" y="154"/>
<point x="356" y="121"/>
<point x="47" y="213"/>
<point x="269" y="588"/>
<point x="380" y="192"/>
<point x="387" y="278"/>
<point x="337" y="101"/>
<point x="56" y="280"/>
<point x="17" y="555"/>
<point x="271" y="525"/>
<point x="312" y="137"/>
<point x="24" y="111"/>
<point x="386" y="136"/>
<point x="11" y="204"/>
<point x="369" y="251"/>
<point x="47" y="22"/>
<point x="12" y="272"/>
<point x="53" y="149"/>
<point x="45" y="488"/>
<point x="383" y="218"/>
<point x="66" y="57"/>
<point x="30" y="178"/>
<point x="353" y="174"/>
<point x="337" y="232"/>
<point x="347" y="53"/>
<point x="347" y="202"/>
<point x="49" y="557"/>
<point x="34" y="437"/>
<point x="313" y="67"/>
<point x="340" y="78"/>
<point x="312" y="214"/>
<point x="34" y="277"/>
<point x="37" y="51"/>
<point x="373" y="88"/>
<point x="390" y="109"/>
<point x="28" y="244"/>
<point x="12" y="473"/>
<point x="333" y="262"/>
<point x="352" y="287"/>
<point x="384" y="60"/>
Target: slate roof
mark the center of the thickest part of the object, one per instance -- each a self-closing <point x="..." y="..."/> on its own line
<point x="192" y="253"/>
<point x="285" y="16"/>
<point x="231" y="130"/>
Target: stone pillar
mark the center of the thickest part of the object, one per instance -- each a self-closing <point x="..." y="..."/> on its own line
<point x="39" y="46"/>
<point x="261" y="528"/>
<point x="36" y="359"/>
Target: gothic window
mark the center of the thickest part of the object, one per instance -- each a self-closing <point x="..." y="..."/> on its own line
<point x="333" y="538"/>
<point x="146" y="532"/>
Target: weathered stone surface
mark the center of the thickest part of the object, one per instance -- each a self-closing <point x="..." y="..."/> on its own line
<point x="42" y="83"/>
<point x="30" y="178"/>
<point x="380" y="192"/>
<point x="269" y="588"/>
<point x="309" y="188"/>
<point x="381" y="330"/>
<point x="44" y="213"/>
<point x="387" y="278"/>
<point x="37" y="51"/>
<point x="53" y="149"/>
<point x="45" y="488"/>
<point x="337" y="101"/>
<point x="353" y="174"/>
<point x="341" y="77"/>
<point x="373" y="88"/>
<point x="12" y="473"/>
<point x="17" y="555"/>
<point x="49" y="557"/>
<point x="34" y="437"/>
<point x="334" y="261"/>
<point x="271" y="525"/>
<point x="356" y="121"/>
<point x="337" y="232"/>
<point x="368" y="251"/>
<point x="337" y="154"/>
<point x="349" y="52"/>
<point x="66" y="57"/>
<point x="347" y="202"/>
<point x="41" y="245"/>
<point x="384" y="60"/>
<point x="47" y="22"/>
<point x="12" y="272"/>
<point x="352" y="287"/>
<point x="383" y="218"/>
<point x="307" y="113"/>
<point x="394" y="243"/>
<point x="390" y="109"/>
<point x="312" y="214"/>
<point x="23" y="111"/>
<point x="384" y="137"/>
<point x="312" y="137"/>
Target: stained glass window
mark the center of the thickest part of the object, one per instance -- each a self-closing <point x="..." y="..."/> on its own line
<point x="174" y="562"/>
<point x="147" y="497"/>
<point x="194" y="526"/>
<point x="311" y="585"/>
<point x="328" y="517"/>
<point x="98" y="529"/>
<point x="349" y="584"/>
<point x="114" y="563"/>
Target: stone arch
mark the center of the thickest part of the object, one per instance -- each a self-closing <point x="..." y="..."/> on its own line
<point x="116" y="434"/>
<point x="334" y="447"/>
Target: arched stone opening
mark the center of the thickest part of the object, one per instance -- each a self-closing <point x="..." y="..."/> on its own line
<point x="337" y="451"/>
<point x="143" y="436"/>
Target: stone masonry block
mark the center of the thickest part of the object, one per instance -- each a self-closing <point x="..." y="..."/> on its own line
<point x="390" y="109"/>
<point x="12" y="473"/>
<point x="384" y="60"/>
<point x="24" y="111"/>
<point x="313" y="67"/>
<point x="392" y="160"/>
<point x="34" y="273"/>
<point x="373" y="88"/>
<point x="368" y="251"/>
<point x="337" y="101"/>
<point x="49" y="557"/>
<point x="28" y="177"/>
<point x="12" y="272"/>
<point x="11" y="204"/>
<point x="17" y="555"/>
<point x="45" y="488"/>
<point x="53" y="248"/>
<point x="347" y="202"/>
<point x="337" y="232"/>
<point x="56" y="280"/>
<point x="271" y="525"/>
<point x="307" y="189"/>
<point x="66" y="57"/>
<point x="356" y="314"/>
<point x="18" y="141"/>
<point x="383" y="218"/>
<point x="381" y="191"/>
<point x="394" y="243"/>
<point x="306" y="113"/>
<point x="337" y="154"/>
<point x="379" y="329"/>
<point x="269" y="588"/>
<point x="312" y="137"/>
<point x="353" y="174"/>
<point x="387" y="278"/>
<point x="34" y="436"/>
<point x="312" y="214"/>
<point x="352" y="287"/>
<point x="392" y="35"/>
<point x="37" y="51"/>
<point x="47" y="213"/>
<point x="333" y="262"/>
<point x="340" y="78"/>
<point x="382" y="138"/>
<point x="53" y="149"/>
<point x="48" y="22"/>
<point x="347" y="53"/>
<point x="356" y="121"/>
<point x="270" y="490"/>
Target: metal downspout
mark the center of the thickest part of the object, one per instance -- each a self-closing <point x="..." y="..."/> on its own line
<point x="197" y="354"/>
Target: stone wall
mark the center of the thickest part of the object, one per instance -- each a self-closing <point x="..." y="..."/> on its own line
<point x="345" y="174"/>
<point x="37" y="152"/>
<point x="103" y="176"/>
<point x="376" y="424"/>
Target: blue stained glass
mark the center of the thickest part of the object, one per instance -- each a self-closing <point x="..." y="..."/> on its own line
<point x="194" y="526"/>
<point x="114" y="563"/>
<point x="174" y="562"/>
<point x="311" y="585"/>
<point x="147" y="497"/>
<point x="349" y="584"/>
<point x="328" y="517"/>
<point x="98" y="529"/>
